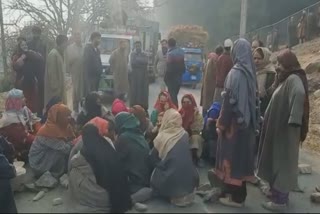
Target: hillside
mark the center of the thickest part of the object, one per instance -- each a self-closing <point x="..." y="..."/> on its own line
<point x="309" y="57"/>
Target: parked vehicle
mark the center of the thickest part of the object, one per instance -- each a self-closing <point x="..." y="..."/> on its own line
<point x="193" y="58"/>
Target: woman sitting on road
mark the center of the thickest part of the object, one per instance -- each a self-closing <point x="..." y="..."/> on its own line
<point x="97" y="181"/>
<point x="134" y="153"/>
<point x="103" y="126"/>
<point x="192" y="122"/>
<point x="92" y="108"/>
<point x="140" y="113"/>
<point x="18" y="124"/>
<point x="52" y="145"/>
<point x="163" y="103"/>
<point x="175" y="176"/>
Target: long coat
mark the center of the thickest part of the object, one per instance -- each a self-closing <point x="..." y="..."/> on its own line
<point x="119" y="67"/>
<point x="84" y="194"/>
<point x="139" y="84"/>
<point x="175" y="176"/>
<point x="74" y="66"/>
<point x="279" y="140"/>
<point x="54" y="77"/>
<point x="208" y="84"/>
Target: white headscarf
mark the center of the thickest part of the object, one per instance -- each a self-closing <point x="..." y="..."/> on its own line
<point x="171" y="131"/>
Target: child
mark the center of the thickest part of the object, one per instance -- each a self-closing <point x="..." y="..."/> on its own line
<point x="209" y="133"/>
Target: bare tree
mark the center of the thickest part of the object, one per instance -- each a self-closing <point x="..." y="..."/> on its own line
<point x="60" y="16"/>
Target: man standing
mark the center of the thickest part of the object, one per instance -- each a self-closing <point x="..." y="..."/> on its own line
<point x="92" y="63"/>
<point x="160" y="64"/>
<point x="74" y="66"/>
<point x="292" y="33"/>
<point x="38" y="45"/>
<point x="224" y="65"/>
<point x="119" y="68"/>
<point x="139" y="85"/>
<point x="55" y="71"/>
<point x="175" y="70"/>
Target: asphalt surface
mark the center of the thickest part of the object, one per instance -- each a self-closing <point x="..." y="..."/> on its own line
<point x="299" y="202"/>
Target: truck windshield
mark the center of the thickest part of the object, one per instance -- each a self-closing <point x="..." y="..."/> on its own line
<point x="108" y="45"/>
<point x="192" y="57"/>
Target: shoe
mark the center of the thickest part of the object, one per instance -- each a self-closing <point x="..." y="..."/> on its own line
<point x="318" y="188"/>
<point x="140" y="207"/>
<point x="271" y="206"/>
<point x="227" y="201"/>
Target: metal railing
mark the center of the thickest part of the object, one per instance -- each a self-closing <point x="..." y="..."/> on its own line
<point x="290" y="30"/>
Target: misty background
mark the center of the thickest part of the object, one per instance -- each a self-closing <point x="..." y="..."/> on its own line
<point x="221" y="18"/>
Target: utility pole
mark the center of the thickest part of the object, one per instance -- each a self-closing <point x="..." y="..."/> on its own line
<point x="243" y="18"/>
<point x="3" y="41"/>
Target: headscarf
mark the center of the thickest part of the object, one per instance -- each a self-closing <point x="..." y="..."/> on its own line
<point x="14" y="101"/>
<point x="54" y="100"/>
<point x="160" y="107"/>
<point x="57" y="124"/>
<point x="118" y="106"/>
<point x="107" y="168"/>
<point x="100" y="123"/>
<point x="92" y="108"/>
<point x="14" y="112"/>
<point x="140" y="113"/>
<point x="290" y="62"/>
<point x="264" y="69"/>
<point x="187" y="111"/>
<point x="170" y="132"/>
<point x="128" y="125"/>
<point x="243" y="74"/>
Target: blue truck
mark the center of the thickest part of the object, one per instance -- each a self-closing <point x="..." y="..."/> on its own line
<point x="194" y="62"/>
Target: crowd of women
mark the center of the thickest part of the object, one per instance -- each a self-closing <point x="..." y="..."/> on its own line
<point x="117" y="159"/>
<point x="263" y="121"/>
<point x="114" y="159"/>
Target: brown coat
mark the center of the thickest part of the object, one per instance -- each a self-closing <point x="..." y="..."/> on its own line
<point x="119" y="67"/>
<point x="54" y="81"/>
<point x="208" y="84"/>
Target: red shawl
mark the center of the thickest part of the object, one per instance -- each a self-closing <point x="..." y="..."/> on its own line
<point x="160" y="107"/>
<point x="187" y="111"/>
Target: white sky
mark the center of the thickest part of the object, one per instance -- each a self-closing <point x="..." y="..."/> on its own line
<point x="10" y="16"/>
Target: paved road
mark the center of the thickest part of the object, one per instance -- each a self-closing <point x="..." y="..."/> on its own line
<point x="300" y="202"/>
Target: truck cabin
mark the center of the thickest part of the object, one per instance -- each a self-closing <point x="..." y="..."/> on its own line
<point x="109" y="43"/>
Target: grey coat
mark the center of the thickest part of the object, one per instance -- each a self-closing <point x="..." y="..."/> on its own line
<point x="280" y="137"/>
<point x="84" y="194"/>
<point x="176" y="175"/>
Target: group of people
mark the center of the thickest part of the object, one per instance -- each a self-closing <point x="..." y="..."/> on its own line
<point x="254" y="117"/>
<point x="114" y="160"/>
<point x="263" y="121"/>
